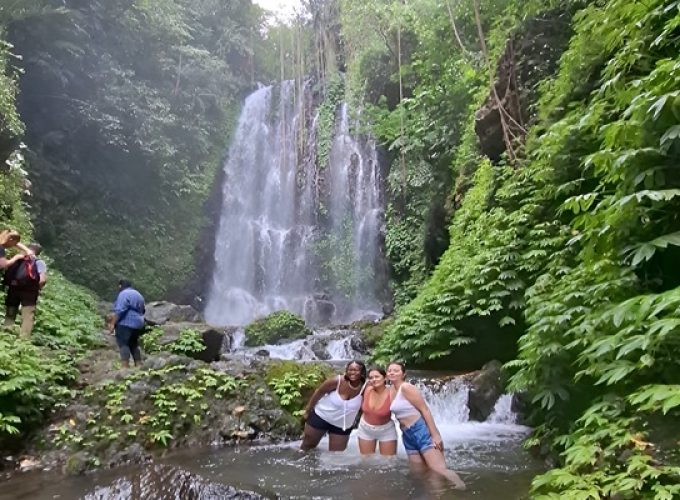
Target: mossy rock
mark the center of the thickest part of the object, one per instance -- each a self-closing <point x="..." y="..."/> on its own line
<point x="275" y="327"/>
<point x="372" y="331"/>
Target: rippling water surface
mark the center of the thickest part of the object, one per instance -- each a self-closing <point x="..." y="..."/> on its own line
<point x="488" y="456"/>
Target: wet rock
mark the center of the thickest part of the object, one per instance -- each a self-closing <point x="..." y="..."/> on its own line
<point x="233" y="365"/>
<point x="520" y="406"/>
<point x="28" y="463"/>
<point x="262" y="352"/>
<point x="370" y="318"/>
<point x="133" y="454"/>
<point x="320" y="348"/>
<point x="319" y="311"/>
<point x="164" y="481"/>
<point x="77" y="463"/>
<point x="229" y="342"/>
<point x="160" y="313"/>
<point x="485" y="389"/>
<point x="358" y="345"/>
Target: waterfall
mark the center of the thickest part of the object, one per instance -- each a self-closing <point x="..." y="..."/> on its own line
<point x="279" y="208"/>
<point x="502" y="411"/>
<point x="449" y="403"/>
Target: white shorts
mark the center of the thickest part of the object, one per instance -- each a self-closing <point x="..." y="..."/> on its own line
<point x="385" y="432"/>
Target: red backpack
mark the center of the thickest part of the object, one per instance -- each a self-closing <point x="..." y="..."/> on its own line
<point x="22" y="274"/>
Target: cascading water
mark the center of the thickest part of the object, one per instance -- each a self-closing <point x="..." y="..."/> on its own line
<point x="356" y="210"/>
<point x="267" y="222"/>
<point x="279" y="208"/>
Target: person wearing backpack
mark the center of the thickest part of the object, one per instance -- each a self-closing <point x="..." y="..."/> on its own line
<point x="128" y="322"/>
<point x="25" y="278"/>
<point x="9" y="239"/>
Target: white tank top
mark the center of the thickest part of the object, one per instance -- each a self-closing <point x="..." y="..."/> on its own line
<point x="337" y="411"/>
<point x="402" y="407"/>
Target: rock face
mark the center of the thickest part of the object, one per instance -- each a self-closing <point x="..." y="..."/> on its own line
<point x="172" y="401"/>
<point x="485" y="389"/>
<point x="160" y="313"/>
<point x="319" y="310"/>
<point x="530" y="56"/>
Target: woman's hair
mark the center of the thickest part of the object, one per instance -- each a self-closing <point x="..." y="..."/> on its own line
<point x="35" y="247"/>
<point x="361" y="365"/>
<point x="400" y="364"/>
<point x="381" y="371"/>
<point x="124" y="283"/>
<point x="9" y="237"/>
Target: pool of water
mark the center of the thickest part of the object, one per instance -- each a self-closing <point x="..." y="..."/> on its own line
<point x="488" y="457"/>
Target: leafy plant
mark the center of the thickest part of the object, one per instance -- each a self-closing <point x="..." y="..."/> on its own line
<point x="189" y="342"/>
<point x="294" y="383"/>
<point x="274" y="327"/>
<point x="150" y="341"/>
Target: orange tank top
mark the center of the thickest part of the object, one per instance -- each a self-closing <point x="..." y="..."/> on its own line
<point x="376" y="416"/>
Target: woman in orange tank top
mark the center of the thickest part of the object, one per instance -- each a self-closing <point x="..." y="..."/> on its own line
<point x="376" y="425"/>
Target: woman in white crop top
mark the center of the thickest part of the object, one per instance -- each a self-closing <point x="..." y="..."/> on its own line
<point x="333" y="408"/>
<point x="420" y="435"/>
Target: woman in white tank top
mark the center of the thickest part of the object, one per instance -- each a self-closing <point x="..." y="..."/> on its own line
<point x="333" y="408"/>
<point x="420" y="435"/>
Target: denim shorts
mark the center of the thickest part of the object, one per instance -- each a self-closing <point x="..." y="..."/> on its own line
<point x="417" y="437"/>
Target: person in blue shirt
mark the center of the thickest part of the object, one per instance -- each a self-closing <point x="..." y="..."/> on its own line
<point x="128" y="322"/>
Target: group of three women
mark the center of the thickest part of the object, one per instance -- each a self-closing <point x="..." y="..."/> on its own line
<point x="335" y="404"/>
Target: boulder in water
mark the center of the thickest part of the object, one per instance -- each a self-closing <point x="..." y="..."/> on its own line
<point x="274" y="328"/>
<point x="165" y="481"/>
<point x="161" y="312"/>
<point x="485" y="389"/>
<point x="319" y="310"/>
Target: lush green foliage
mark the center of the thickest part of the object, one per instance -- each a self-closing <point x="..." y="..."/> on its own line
<point x="128" y="106"/>
<point x="171" y="408"/>
<point x="294" y="383"/>
<point x="274" y="327"/>
<point x="442" y="86"/>
<point x="13" y="184"/>
<point x="150" y="340"/>
<point x="577" y="246"/>
<point x="335" y="89"/>
<point x="35" y="376"/>
<point x="189" y="342"/>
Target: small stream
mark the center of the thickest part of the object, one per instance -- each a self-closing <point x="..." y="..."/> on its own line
<point x="488" y="455"/>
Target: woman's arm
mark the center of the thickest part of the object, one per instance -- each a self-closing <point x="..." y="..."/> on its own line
<point x="412" y="394"/>
<point x="25" y="249"/>
<point x="326" y="387"/>
<point x="9" y="262"/>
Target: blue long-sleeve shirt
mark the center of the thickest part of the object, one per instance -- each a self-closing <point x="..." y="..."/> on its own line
<point x="129" y="308"/>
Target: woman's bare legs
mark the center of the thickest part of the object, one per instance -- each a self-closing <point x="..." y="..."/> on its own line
<point x="435" y="461"/>
<point x="311" y="438"/>
<point x="337" y="442"/>
<point x="367" y="446"/>
<point x="388" y="447"/>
